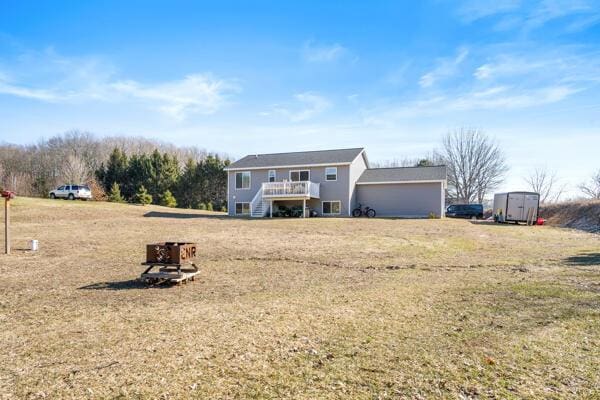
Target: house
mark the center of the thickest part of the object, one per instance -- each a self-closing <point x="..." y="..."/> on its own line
<point x="332" y="183"/>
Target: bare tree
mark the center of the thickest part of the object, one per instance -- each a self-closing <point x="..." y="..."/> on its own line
<point x="74" y="169"/>
<point x="546" y="183"/>
<point x="476" y="165"/>
<point x="428" y="160"/>
<point x="592" y="188"/>
<point x="394" y="163"/>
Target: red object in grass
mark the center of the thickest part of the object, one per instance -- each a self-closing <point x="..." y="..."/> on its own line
<point x="8" y="194"/>
<point x="540" y="221"/>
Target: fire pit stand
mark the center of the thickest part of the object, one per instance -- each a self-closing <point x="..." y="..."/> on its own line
<point x="174" y="261"/>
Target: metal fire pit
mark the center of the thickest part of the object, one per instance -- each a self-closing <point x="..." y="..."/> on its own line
<point x="170" y="253"/>
<point x="170" y="257"/>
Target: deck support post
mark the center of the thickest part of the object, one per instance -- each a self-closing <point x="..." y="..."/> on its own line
<point x="271" y="209"/>
<point x="304" y="208"/>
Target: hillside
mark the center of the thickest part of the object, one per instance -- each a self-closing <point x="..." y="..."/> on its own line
<point x="583" y="215"/>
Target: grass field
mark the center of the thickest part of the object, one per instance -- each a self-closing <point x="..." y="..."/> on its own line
<point x="316" y="308"/>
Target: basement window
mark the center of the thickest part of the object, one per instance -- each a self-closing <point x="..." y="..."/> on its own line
<point x="332" y="207"/>
<point x="242" y="208"/>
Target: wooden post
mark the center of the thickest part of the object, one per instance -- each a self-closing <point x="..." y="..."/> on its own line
<point x="271" y="209"/>
<point x="6" y="225"/>
<point x="304" y="209"/>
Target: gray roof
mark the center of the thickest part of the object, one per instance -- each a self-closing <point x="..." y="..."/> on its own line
<point x="300" y="158"/>
<point x="403" y="174"/>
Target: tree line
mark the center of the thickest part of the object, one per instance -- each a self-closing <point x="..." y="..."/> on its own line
<point x="160" y="179"/>
<point x="148" y="171"/>
<point x="193" y="176"/>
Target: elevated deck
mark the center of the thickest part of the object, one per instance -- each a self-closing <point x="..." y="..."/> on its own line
<point x="262" y="203"/>
<point x="290" y="190"/>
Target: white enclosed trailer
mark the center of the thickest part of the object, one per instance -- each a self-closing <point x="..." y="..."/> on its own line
<point x="516" y="207"/>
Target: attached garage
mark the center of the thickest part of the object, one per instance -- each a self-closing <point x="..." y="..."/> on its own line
<point x="403" y="192"/>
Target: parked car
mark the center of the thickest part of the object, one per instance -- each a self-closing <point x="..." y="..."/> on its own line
<point x="470" y="211"/>
<point x="71" y="192"/>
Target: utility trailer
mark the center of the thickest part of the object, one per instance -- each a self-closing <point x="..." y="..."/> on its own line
<point x="516" y="207"/>
<point x="174" y="260"/>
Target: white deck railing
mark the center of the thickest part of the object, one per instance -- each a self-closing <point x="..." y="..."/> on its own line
<point x="291" y="189"/>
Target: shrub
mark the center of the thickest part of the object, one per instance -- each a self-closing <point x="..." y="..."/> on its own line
<point x="142" y="196"/>
<point x="167" y="199"/>
<point x="209" y="206"/>
<point x="98" y="192"/>
<point x="115" y="194"/>
<point x="202" y="206"/>
<point x="223" y="209"/>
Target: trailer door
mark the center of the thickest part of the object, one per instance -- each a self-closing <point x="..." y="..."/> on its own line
<point x="530" y="202"/>
<point x="514" y="211"/>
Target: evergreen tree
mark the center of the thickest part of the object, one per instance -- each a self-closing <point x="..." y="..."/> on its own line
<point x="167" y="199"/>
<point x="115" y="194"/>
<point x="186" y="190"/>
<point x="115" y="170"/>
<point x="142" y="196"/>
<point x="139" y="173"/>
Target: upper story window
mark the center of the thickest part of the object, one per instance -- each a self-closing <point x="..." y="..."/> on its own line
<point x="331" y="174"/>
<point x="242" y="180"/>
<point x="272" y="175"/>
<point x="302" y="175"/>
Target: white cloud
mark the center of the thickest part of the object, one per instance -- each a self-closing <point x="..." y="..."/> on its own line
<point x="472" y="10"/>
<point x="499" y="98"/>
<point x="27" y="93"/>
<point x="307" y="105"/>
<point x="315" y="53"/>
<point x="445" y="68"/>
<point x="546" y="65"/>
<point x="48" y="77"/>
<point x="197" y="93"/>
<point x="529" y="15"/>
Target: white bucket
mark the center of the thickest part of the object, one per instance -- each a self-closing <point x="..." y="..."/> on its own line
<point x="34" y="245"/>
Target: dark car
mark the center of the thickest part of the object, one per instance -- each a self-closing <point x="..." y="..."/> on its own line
<point x="470" y="211"/>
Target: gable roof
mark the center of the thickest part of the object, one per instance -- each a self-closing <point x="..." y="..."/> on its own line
<point x="297" y="159"/>
<point x="403" y="174"/>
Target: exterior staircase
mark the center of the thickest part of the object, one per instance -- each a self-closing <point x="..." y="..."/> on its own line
<point x="259" y="207"/>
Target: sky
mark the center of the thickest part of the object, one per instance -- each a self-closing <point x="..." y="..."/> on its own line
<point x="259" y="77"/>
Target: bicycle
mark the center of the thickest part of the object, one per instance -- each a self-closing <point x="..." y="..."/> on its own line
<point x="359" y="211"/>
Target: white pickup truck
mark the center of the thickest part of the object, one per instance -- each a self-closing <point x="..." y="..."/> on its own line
<point x="71" y="192"/>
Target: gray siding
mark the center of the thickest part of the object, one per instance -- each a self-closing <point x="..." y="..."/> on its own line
<point x="329" y="190"/>
<point x="357" y="168"/>
<point x="402" y="199"/>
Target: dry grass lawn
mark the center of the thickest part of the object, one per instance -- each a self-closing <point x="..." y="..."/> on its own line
<point x="316" y="308"/>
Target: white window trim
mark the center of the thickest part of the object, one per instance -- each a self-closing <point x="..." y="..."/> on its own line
<point x="249" y="181"/>
<point x="298" y="171"/>
<point x="336" y="174"/>
<point x="242" y="213"/>
<point x="331" y="201"/>
<point x="274" y="175"/>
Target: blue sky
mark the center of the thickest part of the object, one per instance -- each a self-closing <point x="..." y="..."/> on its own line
<point x="246" y="77"/>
